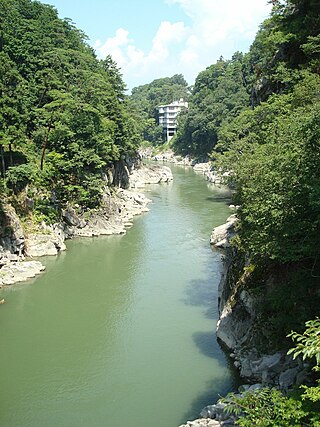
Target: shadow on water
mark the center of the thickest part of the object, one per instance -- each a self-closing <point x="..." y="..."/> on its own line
<point x="201" y="293"/>
<point x="215" y="198"/>
<point x="204" y="293"/>
<point x="209" y="345"/>
<point x="214" y="389"/>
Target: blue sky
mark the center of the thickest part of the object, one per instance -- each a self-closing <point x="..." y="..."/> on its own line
<point x="150" y="39"/>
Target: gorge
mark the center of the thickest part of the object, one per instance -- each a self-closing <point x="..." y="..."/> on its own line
<point x="121" y="329"/>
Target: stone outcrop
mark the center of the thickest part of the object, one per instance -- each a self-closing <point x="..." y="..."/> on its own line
<point x="47" y="240"/>
<point x="150" y="175"/>
<point x="19" y="271"/>
<point x="238" y="327"/>
<point x="114" y="216"/>
<point x="205" y="422"/>
<point x="202" y="167"/>
<point x="221" y="235"/>
<point x="11" y="234"/>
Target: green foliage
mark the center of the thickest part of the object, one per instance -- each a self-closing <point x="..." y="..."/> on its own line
<point x="219" y="95"/>
<point x="307" y="344"/>
<point x="145" y="100"/>
<point x="274" y="155"/>
<point x="21" y="174"/>
<point x="265" y="408"/>
<point x="63" y="113"/>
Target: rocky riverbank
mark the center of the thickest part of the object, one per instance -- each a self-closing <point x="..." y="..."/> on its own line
<point x="204" y="168"/>
<point x="20" y="243"/>
<point x="238" y="329"/>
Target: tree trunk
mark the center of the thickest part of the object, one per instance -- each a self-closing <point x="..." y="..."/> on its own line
<point x="3" y="164"/>
<point x="45" y="145"/>
<point x="10" y="155"/>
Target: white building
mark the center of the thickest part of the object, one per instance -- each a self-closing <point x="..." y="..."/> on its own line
<point x="168" y="116"/>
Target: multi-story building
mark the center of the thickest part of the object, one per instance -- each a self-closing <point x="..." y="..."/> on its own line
<point x="168" y="117"/>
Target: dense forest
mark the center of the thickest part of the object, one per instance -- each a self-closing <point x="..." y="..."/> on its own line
<point x="145" y="99"/>
<point x="64" y="116"/>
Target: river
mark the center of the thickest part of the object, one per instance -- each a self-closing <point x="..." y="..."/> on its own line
<point x="119" y="330"/>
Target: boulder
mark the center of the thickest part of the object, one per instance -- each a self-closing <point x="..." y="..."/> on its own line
<point x="202" y="167"/>
<point x="288" y="378"/>
<point x="216" y="412"/>
<point x="222" y="234"/>
<point x="71" y="218"/>
<point x="19" y="272"/>
<point x="235" y="322"/>
<point x="266" y="362"/>
<point x="46" y="240"/>
<point x="149" y="175"/>
<point x="202" y="422"/>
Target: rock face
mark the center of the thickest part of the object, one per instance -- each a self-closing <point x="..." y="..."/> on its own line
<point x="19" y="271"/>
<point x="150" y="175"/>
<point x="202" y="167"/>
<point x="113" y="217"/>
<point x="11" y="234"/>
<point x="48" y="240"/>
<point x="221" y="235"/>
<point x="237" y="326"/>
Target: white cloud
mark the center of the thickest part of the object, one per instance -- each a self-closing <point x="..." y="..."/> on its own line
<point x="114" y="46"/>
<point x="217" y="28"/>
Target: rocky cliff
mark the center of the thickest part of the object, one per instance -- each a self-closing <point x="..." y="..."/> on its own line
<point x="240" y="327"/>
<point x="240" y="330"/>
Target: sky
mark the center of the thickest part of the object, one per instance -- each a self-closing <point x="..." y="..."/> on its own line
<point x="150" y="39"/>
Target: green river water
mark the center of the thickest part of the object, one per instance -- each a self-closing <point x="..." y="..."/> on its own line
<point x="119" y="330"/>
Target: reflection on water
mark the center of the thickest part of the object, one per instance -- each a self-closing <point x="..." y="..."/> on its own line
<point x="120" y="329"/>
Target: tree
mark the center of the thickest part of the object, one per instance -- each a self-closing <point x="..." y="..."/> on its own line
<point x="145" y="100"/>
<point x="219" y="95"/>
<point x="62" y="112"/>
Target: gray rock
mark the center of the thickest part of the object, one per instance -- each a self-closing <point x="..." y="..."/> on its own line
<point x="47" y="240"/>
<point x="149" y="175"/>
<point x="302" y="377"/>
<point x="11" y="233"/>
<point x="221" y="235"/>
<point x="215" y="412"/>
<point x="19" y="272"/>
<point x="288" y="378"/>
<point x="202" y="167"/>
<point x="202" y="422"/>
<point x="266" y="362"/>
<point x="70" y="216"/>
<point x="235" y="321"/>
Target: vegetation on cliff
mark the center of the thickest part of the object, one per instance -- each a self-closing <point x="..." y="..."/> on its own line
<point x="64" y="116"/>
<point x="258" y="116"/>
